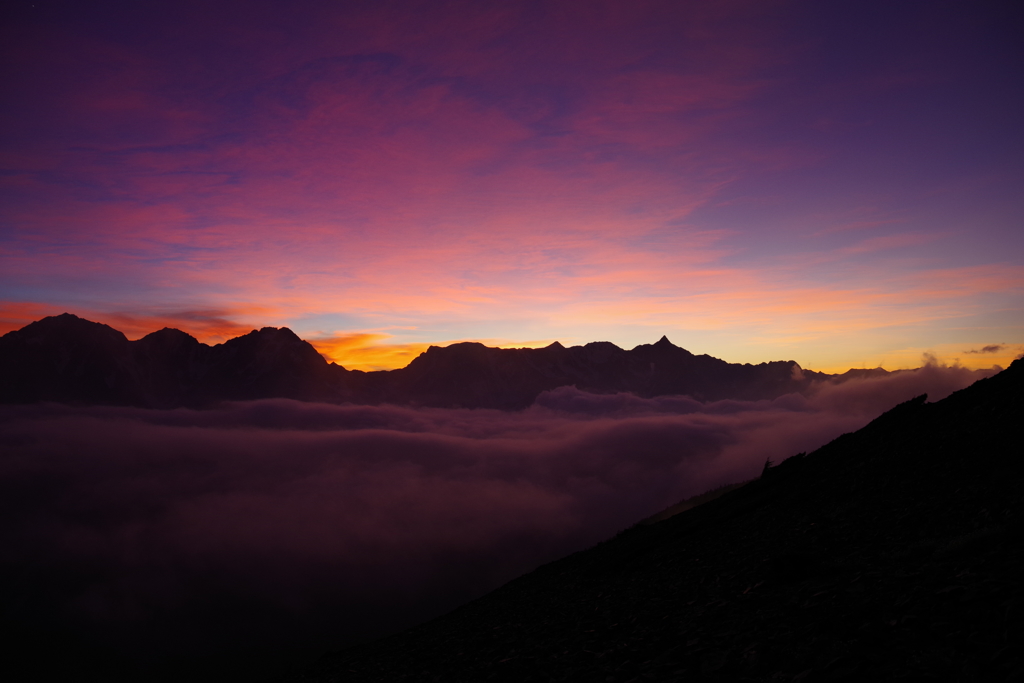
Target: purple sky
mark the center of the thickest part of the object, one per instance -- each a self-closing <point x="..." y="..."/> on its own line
<point x="834" y="183"/>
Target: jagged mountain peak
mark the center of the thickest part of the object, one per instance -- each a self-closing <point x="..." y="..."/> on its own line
<point x="662" y="348"/>
<point x="278" y="332"/>
<point x="268" y="337"/>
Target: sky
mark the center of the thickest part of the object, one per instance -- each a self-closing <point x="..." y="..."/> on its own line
<point x="838" y="184"/>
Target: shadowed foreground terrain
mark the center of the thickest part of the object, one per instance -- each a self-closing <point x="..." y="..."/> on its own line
<point x="891" y="553"/>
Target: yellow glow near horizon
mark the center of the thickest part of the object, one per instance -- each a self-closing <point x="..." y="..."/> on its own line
<point x="364" y="350"/>
<point x="944" y="354"/>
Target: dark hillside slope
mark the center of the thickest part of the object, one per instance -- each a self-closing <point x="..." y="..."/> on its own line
<point x="893" y="553"/>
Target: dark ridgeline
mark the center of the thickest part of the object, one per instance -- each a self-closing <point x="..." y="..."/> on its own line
<point x="70" y="360"/>
<point x="893" y="553"/>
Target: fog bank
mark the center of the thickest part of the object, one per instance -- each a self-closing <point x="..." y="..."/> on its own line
<point x="270" y="523"/>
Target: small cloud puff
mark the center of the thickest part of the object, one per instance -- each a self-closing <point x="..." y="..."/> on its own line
<point x="991" y="348"/>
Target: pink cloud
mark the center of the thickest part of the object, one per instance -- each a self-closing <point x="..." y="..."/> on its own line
<point x="561" y="167"/>
<point x="887" y="242"/>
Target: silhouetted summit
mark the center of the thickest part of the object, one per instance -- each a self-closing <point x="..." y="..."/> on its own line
<point x="67" y="359"/>
<point x="892" y="553"/>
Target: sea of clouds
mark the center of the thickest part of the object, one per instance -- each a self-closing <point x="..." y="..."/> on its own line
<point x="276" y="523"/>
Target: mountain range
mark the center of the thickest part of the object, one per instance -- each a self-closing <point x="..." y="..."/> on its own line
<point x="67" y="359"/>
<point x="893" y="552"/>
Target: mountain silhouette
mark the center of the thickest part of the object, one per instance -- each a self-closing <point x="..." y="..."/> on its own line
<point x="892" y="553"/>
<point x="68" y="359"/>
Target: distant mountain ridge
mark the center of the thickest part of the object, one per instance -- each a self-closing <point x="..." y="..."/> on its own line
<point x="68" y="359"/>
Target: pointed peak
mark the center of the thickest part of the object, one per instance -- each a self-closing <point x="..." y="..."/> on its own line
<point x="555" y="345"/>
<point x="276" y="331"/>
<point x="662" y="346"/>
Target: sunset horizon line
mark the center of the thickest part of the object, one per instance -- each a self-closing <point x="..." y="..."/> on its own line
<point x="367" y="351"/>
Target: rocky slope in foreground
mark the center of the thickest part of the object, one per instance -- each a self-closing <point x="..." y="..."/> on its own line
<point x="67" y="359"/>
<point x="893" y="553"/>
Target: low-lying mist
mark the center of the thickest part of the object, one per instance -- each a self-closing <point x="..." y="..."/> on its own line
<point x="261" y="526"/>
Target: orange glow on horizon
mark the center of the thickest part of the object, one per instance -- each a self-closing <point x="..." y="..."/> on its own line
<point x="969" y="356"/>
<point x="365" y="350"/>
<point x="371" y="351"/>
